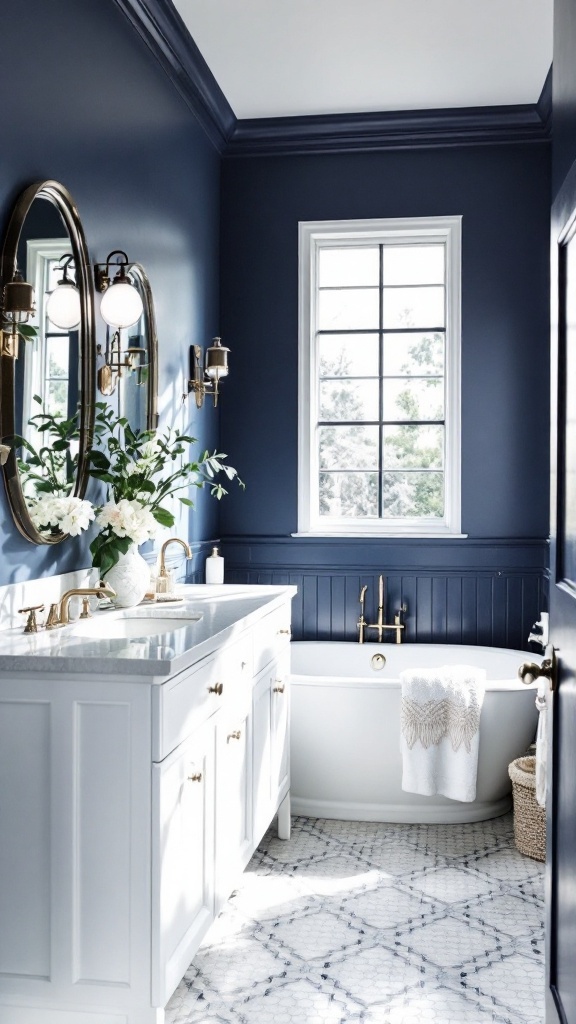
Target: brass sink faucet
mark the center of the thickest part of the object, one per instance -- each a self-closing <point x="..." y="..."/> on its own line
<point x="380" y="625"/>
<point x="164" y="584"/>
<point x="59" y="614"/>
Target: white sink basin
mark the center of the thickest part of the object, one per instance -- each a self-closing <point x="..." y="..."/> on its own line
<point x="131" y="624"/>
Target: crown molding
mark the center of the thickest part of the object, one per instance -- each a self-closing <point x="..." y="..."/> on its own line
<point x="162" y="29"/>
<point x="544" y="104"/>
<point x="390" y="130"/>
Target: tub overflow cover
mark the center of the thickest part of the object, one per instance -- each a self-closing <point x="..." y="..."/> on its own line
<point x="378" y="662"/>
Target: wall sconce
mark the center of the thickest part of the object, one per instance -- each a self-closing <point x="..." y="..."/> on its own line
<point x="116" y="362"/>
<point x="15" y="310"/>
<point x="204" y="379"/>
<point x="121" y="304"/>
<point x="63" y="306"/>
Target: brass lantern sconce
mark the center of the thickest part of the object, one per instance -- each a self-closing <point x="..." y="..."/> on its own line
<point x="63" y="308"/>
<point x="121" y="303"/>
<point x="121" y="306"/>
<point x="205" y="376"/>
<point x="16" y="309"/>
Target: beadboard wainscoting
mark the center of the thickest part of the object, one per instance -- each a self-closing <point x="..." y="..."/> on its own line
<point x="486" y="592"/>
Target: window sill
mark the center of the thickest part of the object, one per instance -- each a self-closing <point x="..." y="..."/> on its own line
<point x="383" y="535"/>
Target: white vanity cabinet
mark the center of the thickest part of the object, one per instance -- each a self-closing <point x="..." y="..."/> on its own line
<point x="270" y="723"/>
<point x="148" y="795"/>
<point x="183" y="854"/>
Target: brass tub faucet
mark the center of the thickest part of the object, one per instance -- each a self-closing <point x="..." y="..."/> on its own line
<point x="380" y="625"/>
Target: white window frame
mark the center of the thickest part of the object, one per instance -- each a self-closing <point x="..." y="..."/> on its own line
<point x="39" y="252"/>
<point x="312" y="236"/>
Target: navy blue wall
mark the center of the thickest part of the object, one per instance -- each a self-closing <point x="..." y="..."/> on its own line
<point x="503" y="194"/>
<point x="563" y="92"/>
<point x="85" y="102"/>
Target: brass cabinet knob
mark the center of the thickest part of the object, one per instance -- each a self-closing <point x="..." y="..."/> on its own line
<point x="233" y="735"/>
<point x="278" y="689"/>
<point x="196" y="777"/>
<point x="217" y="689"/>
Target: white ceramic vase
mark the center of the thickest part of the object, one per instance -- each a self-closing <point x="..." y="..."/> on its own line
<point x="130" y="578"/>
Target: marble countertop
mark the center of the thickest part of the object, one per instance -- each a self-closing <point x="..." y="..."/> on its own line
<point x="209" y="616"/>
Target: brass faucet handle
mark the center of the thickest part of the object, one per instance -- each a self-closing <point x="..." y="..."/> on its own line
<point x="85" y="613"/>
<point x="31" y="623"/>
<point x="53" y="617"/>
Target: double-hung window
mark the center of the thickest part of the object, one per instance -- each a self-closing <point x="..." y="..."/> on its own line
<point x="379" y="384"/>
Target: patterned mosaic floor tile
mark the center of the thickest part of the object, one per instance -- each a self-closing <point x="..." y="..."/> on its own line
<point x="458" y="840"/>
<point x="338" y="873"/>
<point x="508" y="912"/>
<point x="515" y="982"/>
<point x="372" y="975"/>
<point x="317" y="935"/>
<point x="433" y="1006"/>
<point x="452" y="885"/>
<point x="450" y="943"/>
<point x="375" y="924"/>
<point x="392" y="908"/>
<point x="298" y="1002"/>
<point x="506" y="865"/>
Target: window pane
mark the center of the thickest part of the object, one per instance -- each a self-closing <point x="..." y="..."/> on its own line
<point x="349" y="495"/>
<point x="348" y="447"/>
<point x="57" y="352"/>
<point x="412" y="494"/>
<point x="348" y="355"/>
<point x="407" y="399"/>
<point x="413" y="353"/>
<point x="57" y="398"/>
<point x="349" y="400"/>
<point x="413" y="447"/>
<point x="349" y="309"/>
<point x="349" y="266"/>
<point x="413" y="307"/>
<point x="413" y="264"/>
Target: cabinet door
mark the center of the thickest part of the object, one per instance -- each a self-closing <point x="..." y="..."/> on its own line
<point x="183" y="857"/>
<point x="234" y="843"/>
<point x="280" y="729"/>
<point x="261" y="756"/>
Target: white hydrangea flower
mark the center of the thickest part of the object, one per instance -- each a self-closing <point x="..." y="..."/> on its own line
<point x="128" y="519"/>
<point x="70" y="515"/>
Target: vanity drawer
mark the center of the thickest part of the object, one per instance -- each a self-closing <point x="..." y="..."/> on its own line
<point x="271" y="636"/>
<point x="182" y="704"/>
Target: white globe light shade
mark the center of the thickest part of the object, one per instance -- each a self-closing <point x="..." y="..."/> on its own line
<point x="121" y="305"/>
<point x="63" y="307"/>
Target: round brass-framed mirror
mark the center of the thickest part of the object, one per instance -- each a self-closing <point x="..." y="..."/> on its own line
<point x="47" y="371"/>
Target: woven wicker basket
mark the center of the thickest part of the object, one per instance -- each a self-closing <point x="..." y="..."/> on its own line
<point x="529" y="817"/>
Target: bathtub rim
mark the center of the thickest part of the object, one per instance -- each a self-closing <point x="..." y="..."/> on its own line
<point x="502" y="684"/>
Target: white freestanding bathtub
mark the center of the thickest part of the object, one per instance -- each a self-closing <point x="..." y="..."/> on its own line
<point x="345" y="747"/>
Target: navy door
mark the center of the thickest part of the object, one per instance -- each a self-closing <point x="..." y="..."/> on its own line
<point x="561" y="796"/>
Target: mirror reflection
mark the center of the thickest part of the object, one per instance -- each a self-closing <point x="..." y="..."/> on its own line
<point x="47" y="375"/>
<point x="127" y="363"/>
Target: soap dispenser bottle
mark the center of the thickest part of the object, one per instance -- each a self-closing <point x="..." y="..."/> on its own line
<point x="215" y="567"/>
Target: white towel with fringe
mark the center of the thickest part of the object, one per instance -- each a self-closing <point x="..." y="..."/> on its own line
<point x="440" y="721"/>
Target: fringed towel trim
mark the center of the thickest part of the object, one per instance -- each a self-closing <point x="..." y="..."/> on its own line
<point x="457" y="716"/>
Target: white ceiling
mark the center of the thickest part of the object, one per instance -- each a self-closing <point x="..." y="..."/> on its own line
<point x="274" y="58"/>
